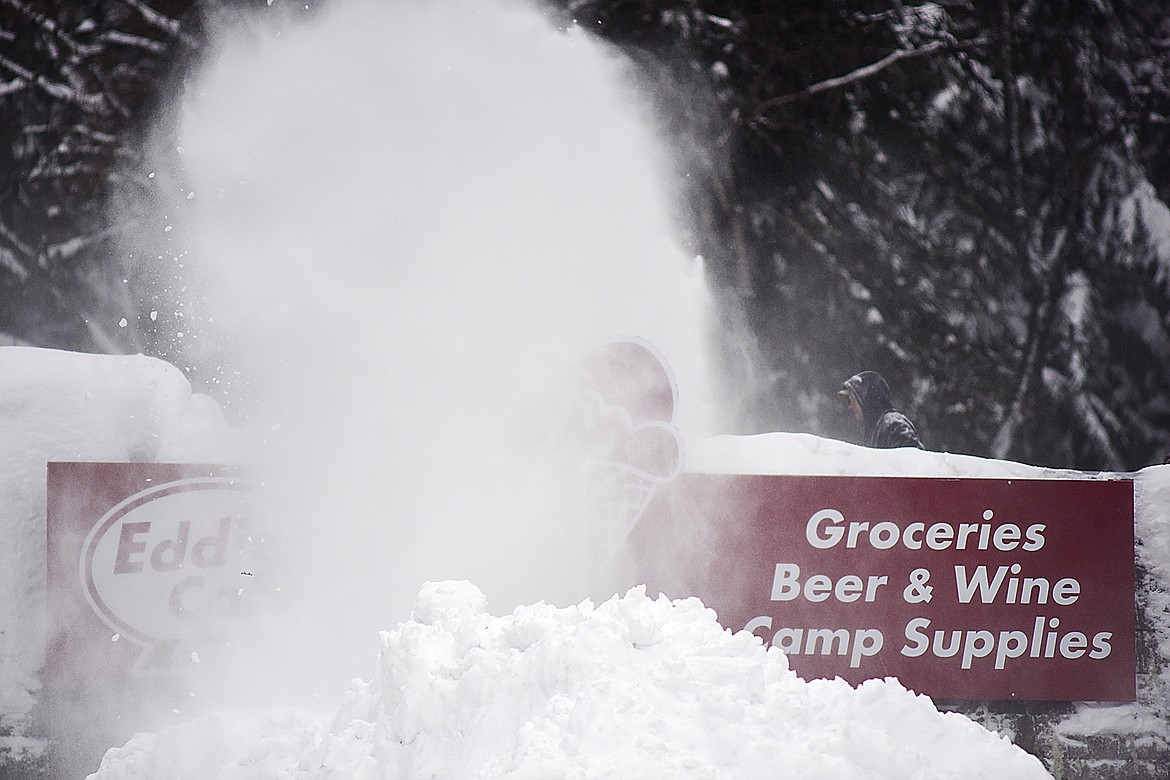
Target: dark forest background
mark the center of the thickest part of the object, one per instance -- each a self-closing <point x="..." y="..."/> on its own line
<point x="969" y="197"/>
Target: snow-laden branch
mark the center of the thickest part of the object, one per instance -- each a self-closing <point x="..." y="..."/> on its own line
<point x="9" y="263"/>
<point x="66" y="251"/>
<point x="161" y="21"/>
<point x="85" y="100"/>
<point x="50" y="26"/>
<point x="101" y="138"/>
<point x="853" y="76"/>
<point x="8" y="87"/>
<point x="154" y="17"/>
<point x="8" y="259"/>
<point x="136" y="41"/>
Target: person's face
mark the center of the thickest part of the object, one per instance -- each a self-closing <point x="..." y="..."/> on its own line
<point x="851" y="402"/>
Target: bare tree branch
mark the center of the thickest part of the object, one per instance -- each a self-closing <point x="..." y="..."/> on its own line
<point x="860" y="74"/>
<point x="1039" y="325"/>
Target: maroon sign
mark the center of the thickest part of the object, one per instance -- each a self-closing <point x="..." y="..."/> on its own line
<point x="145" y="562"/>
<point x="149" y="565"/>
<point x="962" y="588"/>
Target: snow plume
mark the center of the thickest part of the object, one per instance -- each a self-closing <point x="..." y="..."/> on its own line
<point x="409" y="219"/>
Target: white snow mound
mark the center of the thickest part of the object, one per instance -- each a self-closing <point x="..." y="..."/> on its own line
<point x="634" y="688"/>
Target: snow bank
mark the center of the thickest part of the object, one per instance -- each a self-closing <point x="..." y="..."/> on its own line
<point x="634" y="688"/>
<point x="61" y="406"/>
<point x="802" y="453"/>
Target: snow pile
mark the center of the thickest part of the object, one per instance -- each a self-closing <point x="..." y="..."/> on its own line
<point x="61" y="406"/>
<point x="1152" y="552"/>
<point x="633" y="688"/>
<point x="802" y="453"/>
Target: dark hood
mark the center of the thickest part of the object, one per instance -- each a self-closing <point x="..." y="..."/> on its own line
<point x="872" y="394"/>
<point x="884" y="426"/>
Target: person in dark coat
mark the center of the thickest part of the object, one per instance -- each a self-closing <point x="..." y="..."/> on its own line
<point x="885" y="427"/>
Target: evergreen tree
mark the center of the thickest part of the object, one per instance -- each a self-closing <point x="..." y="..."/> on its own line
<point x="967" y="197"/>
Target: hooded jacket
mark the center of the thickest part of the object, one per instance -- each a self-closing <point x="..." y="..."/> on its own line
<point x="885" y="427"/>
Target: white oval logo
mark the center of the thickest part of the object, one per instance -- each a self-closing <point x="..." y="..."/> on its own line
<point x="168" y="565"/>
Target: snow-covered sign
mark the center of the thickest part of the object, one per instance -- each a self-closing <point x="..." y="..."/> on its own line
<point x="961" y="588"/>
<point x="147" y="563"/>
